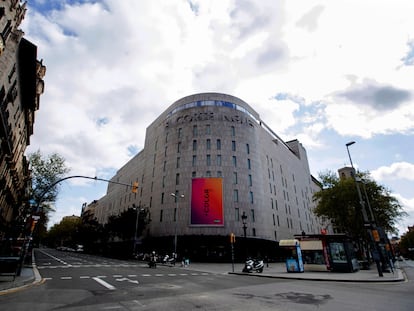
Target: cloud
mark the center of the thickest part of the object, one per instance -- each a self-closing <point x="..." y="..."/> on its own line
<point x="399" y="170"/>
<point x="379" y="97"/>
<point x="310" y="19"/>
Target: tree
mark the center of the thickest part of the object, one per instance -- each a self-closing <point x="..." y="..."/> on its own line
<point x="339" y="201"/>
<point x="65" y="233"/>
<point x="407" y="245"/>
<point x="45" y="172"/>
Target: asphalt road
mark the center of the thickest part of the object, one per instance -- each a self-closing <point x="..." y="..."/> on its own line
<point x="74" y="281"/>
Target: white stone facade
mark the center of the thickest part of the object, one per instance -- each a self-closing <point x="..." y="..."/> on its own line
<point x="217" y="135"/>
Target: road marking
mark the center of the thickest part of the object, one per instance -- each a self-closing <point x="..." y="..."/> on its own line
<point x="132" y="275"/>
<point x="126" y="279"/>
<point x="55" y="258"/>
<point x="103" y="283"/>
<point x="172" y="274"/>
<point x="145" y="274"/>
<point x="85" y="277"/>
<point x="117" y="276"/>
<point x="66" y="278"/>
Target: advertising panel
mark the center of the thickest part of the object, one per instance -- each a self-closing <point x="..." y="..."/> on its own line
<point x="207" y="202"/>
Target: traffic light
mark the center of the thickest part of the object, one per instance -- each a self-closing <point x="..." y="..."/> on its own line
<point x="135" y="187"/>
<point x="375" y="235"/>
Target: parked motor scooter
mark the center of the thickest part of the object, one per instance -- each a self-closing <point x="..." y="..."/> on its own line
<point x="253" y="265"/>
<point x="167" y="260"/>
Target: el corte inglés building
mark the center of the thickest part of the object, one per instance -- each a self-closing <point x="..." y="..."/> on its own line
<point x="211" y="167"/>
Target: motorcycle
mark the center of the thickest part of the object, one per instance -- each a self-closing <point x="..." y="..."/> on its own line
<point x="167" y="260"/>
<point x="253" y="265"/>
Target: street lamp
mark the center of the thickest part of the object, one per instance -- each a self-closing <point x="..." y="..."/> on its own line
<point x="244" y="221"/>
<point x="367" y="222"/>
<point x="176" y="219"/>
<point x="139" y="210"/>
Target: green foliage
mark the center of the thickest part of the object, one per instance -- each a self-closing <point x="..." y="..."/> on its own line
<point x="407" y="244"/>
<point x="65" y="233"/>
<point x="123" y="226"/>
<point x="339" y="201"/>
<point x="45" y="171"/>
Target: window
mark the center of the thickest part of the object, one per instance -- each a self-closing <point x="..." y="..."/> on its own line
<point x="193" y="174"/>
<point x="235" y="178"/>
<point x="180" y="132"/>
<point x="235" y="195"/>
<point x="208" y="129"/>
<point x="218" y="160"/>
<point x="166" y="137"/>
<point x="249" y="164"/>
<point x="234" y="161"/>
<point x="251" y="197"/>
<point x="164" y="166"/>
<point x="179" y="147"/>
<point x="236" y="214"/>
<point x="233" y="145"/>
<point x="178" y="162"/>
<point x="195" y="130"/>
<point x="247" y="148"/>
<point x="194" y="145"/>
<point x="233" y="131"/>
<point x="219" y="174"/>
<point x="252" y="215"/>
<point x="208" y="160"/>
<point x="162" y="198"/>
<point x="175" y="214"/>
<point x="208" y="174"/>
<point x="250" y="180"/>
<point x="163" y="181"/>
<point x="278" y="223"/>
<point x="165" y="151"/>
<point x="274" y="220"/>
<point x="161" y="214"/>
<point x="271" y="201"/>
<point x="218" y="144"/>
<point x="194" y="160"/>
<point x="254" y="231"/>
<point x="208" y="144"/>
<point x="177" y="179"/>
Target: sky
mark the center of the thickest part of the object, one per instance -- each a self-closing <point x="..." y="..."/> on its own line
<point x="324" y="72"/>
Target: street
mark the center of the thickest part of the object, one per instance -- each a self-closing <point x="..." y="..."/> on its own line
<point x="76" y="281"/>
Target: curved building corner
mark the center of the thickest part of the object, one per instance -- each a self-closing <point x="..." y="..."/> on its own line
<point x="211" y="167"/>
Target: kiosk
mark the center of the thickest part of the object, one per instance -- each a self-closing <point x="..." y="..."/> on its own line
<point x="323" y="252"/>
<point x="294" y="261"/>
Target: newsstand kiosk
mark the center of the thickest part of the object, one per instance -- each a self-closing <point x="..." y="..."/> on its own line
<point x="294" y="262"/>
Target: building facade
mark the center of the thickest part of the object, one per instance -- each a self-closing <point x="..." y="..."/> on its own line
<point x="211" y="153"/>
<point x="21" y="84"/>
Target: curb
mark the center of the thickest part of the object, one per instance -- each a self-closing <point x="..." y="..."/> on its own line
<point x="395" y="280"/>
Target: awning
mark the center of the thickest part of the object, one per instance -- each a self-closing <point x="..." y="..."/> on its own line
<point x="292" y="242"/>
<point x="311" y="245"/>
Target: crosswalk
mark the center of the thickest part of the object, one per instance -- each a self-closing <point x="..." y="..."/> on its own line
<point x="145" y="275"/>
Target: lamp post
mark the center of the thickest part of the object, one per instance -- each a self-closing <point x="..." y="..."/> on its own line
<point x="139" y="210"/>
<point x="367" y="222"/>
<point x="176" y="196"/>
<point x="244" y="221"/>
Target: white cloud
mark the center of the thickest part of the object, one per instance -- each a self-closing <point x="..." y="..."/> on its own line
<point x="399" y="170"/>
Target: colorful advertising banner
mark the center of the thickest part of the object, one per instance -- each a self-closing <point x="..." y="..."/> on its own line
<point x="207" y="202"/>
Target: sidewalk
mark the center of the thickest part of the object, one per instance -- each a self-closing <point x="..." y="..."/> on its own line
<point x="278" y="270"/>
<point x="28" y="276"/>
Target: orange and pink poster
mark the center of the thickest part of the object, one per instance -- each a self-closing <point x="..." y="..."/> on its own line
<point x="207" y="202"/>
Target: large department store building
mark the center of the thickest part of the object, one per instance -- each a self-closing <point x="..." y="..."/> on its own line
<point x="222" y="163"/>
